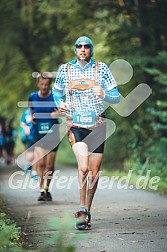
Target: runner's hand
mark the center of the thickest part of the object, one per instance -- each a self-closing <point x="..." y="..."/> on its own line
<point x="98" y="91"/>
<point x="63" y="107"/>
<point x="55" y="114"/>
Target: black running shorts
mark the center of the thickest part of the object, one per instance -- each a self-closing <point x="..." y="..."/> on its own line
<point x="93" y="137"/>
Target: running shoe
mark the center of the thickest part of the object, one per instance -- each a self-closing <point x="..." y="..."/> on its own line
<point x="48" y="196"/>
<point x="34" y="175"/>
<point x="27" y="169"/>
<point x="83" y="219"/>
<point x="88" y="220"/>
<point x="42" y="197"/>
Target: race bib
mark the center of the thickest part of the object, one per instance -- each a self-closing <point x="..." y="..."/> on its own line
<point x="44" y="128"/>
<point x="84" y="119"/>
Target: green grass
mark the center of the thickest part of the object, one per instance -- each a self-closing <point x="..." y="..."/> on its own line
<point x="65" y="154"/>
<point x="137" y="179"/>
<point x="10" y="233"/>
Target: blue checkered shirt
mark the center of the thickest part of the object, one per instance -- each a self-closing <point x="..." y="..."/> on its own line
<point x="84" y="100"/>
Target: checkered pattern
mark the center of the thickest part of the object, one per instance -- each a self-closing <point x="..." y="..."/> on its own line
<point x="84" y="100"/>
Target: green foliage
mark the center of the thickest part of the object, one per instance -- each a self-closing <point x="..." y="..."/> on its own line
<point x="155" y="161"/>
<point x="159" y="108"/>
<point x="65" y="154"/>
<point x="9" y="234"/>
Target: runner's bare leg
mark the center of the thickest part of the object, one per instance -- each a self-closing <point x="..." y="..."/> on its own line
<point x="80" y="150"/>
<point x="95" y="160"/>
<point x="40" y="164"/>
<point x="49" y="169"/>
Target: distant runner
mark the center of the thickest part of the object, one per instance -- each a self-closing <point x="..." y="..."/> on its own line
<point x="9" y="136"/>
<point x="27" y="138"/>
<point x="46" y="134"/>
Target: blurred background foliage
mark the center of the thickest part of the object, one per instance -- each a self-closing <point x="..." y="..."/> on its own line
<point x="39" y="36"/>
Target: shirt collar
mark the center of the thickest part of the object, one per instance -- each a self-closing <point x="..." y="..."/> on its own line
<point x="74" y="61"/>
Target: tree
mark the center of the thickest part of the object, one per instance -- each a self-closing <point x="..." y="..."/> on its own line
<point x="29" y="42"/>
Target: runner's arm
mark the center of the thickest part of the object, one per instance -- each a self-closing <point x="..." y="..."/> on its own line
<point x="58" y="96"/>
<point x="112" y="95"/>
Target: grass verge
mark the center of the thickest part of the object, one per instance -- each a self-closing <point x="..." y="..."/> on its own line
<point x="10" y="234"/>
<point x="61" y="241"/>
<point x="131" y="179"/>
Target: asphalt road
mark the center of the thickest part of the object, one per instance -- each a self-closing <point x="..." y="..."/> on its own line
<point x="128" y="220"/>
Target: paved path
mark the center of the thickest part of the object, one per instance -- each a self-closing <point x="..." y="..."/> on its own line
<point x="122" y="220"/>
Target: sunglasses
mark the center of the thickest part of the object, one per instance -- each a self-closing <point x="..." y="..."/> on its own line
<point x="87" y="46"/>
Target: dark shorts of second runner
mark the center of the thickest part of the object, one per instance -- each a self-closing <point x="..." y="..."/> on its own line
<point x="48" y="142"/>
<point x="93" y="137"/>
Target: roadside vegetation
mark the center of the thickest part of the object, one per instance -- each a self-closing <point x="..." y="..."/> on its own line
<point x="11" y="235"/>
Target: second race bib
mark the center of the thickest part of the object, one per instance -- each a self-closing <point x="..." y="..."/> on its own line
<point x="44" y="128"/>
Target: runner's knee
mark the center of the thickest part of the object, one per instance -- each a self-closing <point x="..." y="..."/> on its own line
<point x="84" y="170"/>
<point x="93" y="175"/>
<point x="41" y="166"/>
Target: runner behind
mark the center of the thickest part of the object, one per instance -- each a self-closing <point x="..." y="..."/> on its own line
<point x="26" y="132"/>
<point x="46" y="133"/>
